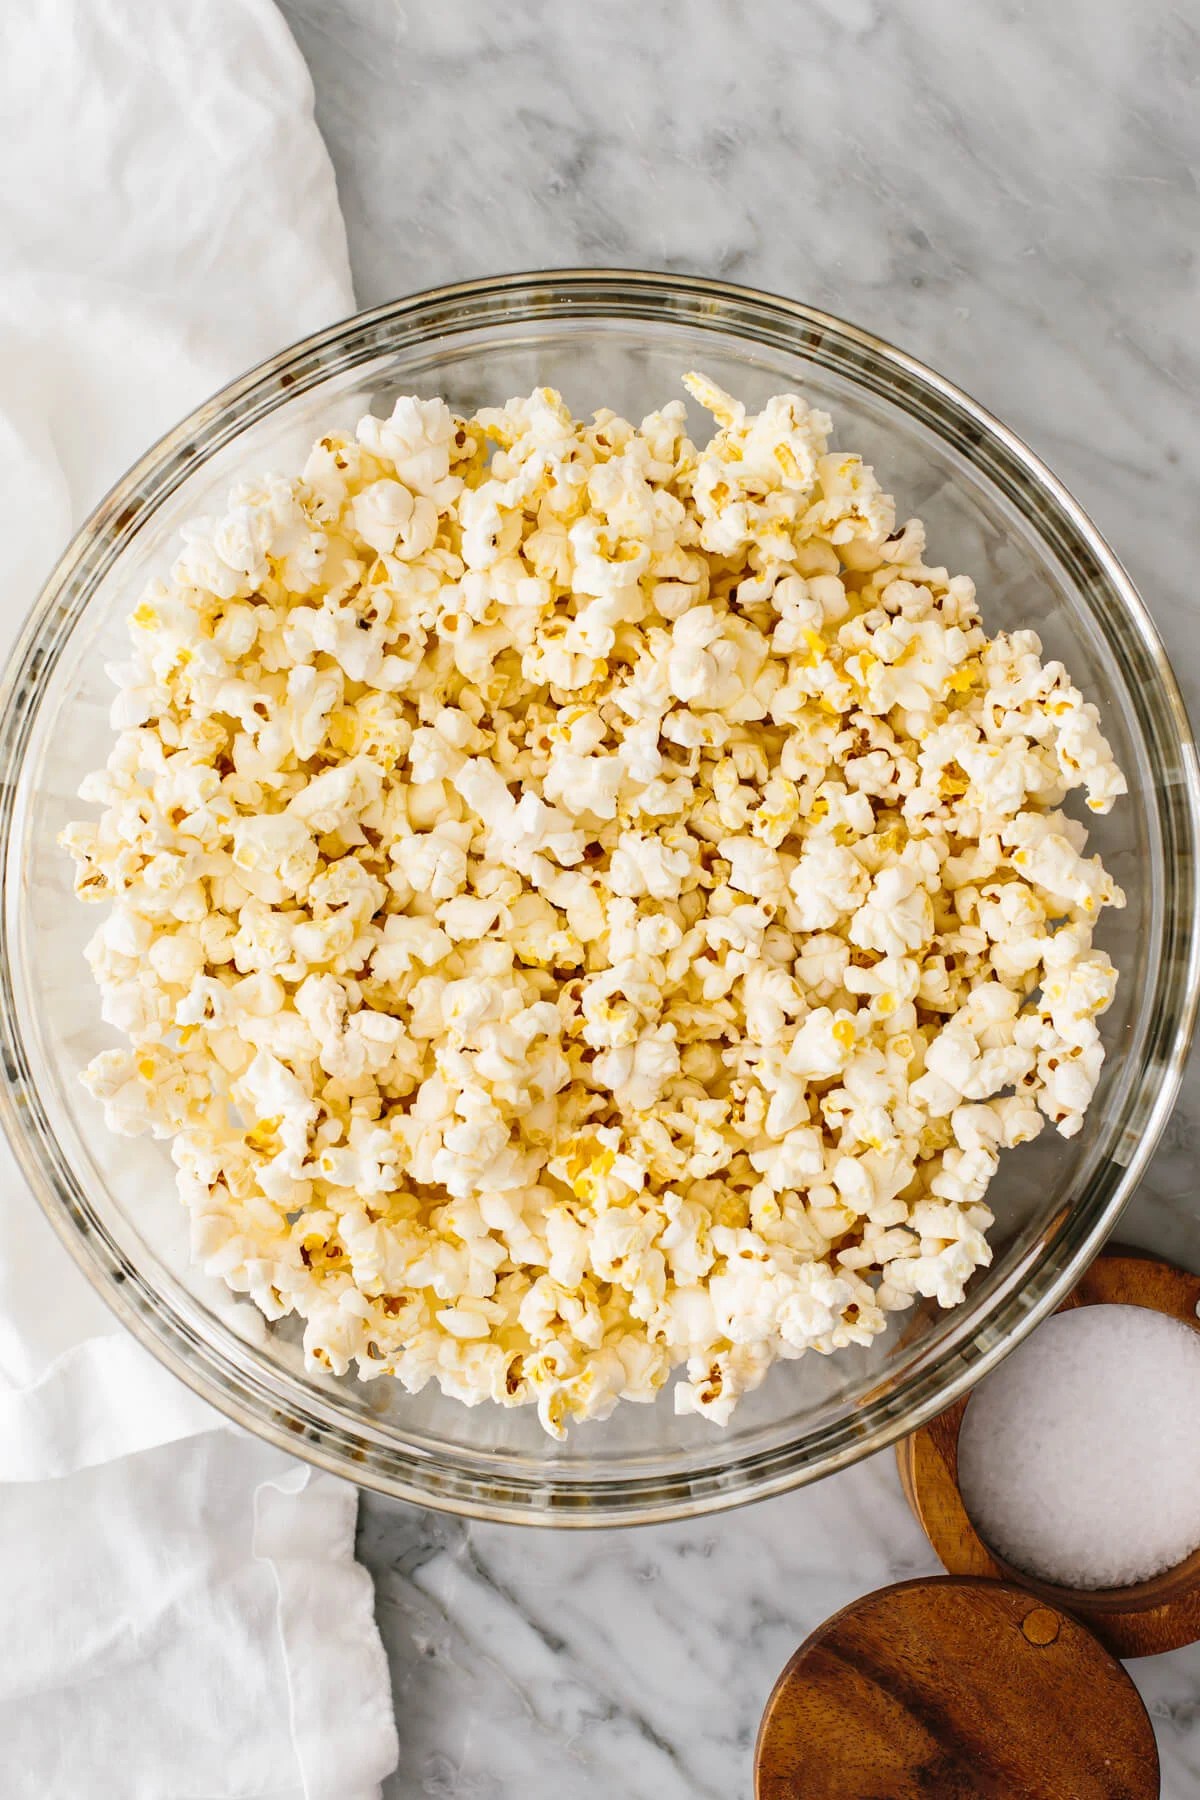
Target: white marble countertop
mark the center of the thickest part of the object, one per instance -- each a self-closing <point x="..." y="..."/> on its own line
<point x="1012" y="192"/>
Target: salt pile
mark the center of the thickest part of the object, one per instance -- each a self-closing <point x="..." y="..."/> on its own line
<point x="1079" y="1459"/>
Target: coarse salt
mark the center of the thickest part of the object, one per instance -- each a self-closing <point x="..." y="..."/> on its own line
<point x="1079" y="1459"/>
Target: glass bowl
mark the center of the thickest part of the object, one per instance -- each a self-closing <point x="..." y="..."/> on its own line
<point x="623" y="340"/>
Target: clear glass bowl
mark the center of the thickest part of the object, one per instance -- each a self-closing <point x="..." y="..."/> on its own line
<point x="622" y="340"/>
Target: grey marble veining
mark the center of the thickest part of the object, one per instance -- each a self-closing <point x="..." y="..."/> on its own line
<point x="632" y="1664"/>
<point x="1012" y="192"/>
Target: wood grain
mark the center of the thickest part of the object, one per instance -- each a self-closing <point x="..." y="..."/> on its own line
<point x="1141" y="1620"/>
<point x="950" y="1688"/>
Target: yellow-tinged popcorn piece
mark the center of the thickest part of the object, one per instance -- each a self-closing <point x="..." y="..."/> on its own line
<point x="585" y="906"/>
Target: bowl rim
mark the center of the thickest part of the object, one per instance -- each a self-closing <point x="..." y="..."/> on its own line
<point x="317" y="1433"/>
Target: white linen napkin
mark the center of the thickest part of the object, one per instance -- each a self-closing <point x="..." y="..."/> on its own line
<point x="180" y="1610"/>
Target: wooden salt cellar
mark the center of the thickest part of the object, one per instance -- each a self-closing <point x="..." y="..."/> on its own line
<point x="1141" y="1620"/>
<point x="952" y="1688"/>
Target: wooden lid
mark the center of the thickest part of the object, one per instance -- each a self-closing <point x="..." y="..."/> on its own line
<point x="951" y="1688"/>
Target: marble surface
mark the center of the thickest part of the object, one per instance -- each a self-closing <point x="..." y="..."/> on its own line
<point x="1009" y="191"/>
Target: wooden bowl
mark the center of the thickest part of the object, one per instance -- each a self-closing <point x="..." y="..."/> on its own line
<point x="954" y="1689"/>
<point x="1141" y="1620"/>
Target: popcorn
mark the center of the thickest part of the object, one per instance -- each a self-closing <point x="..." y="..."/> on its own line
<point x="585" y="906"/>
<point x="392" y="521"/>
